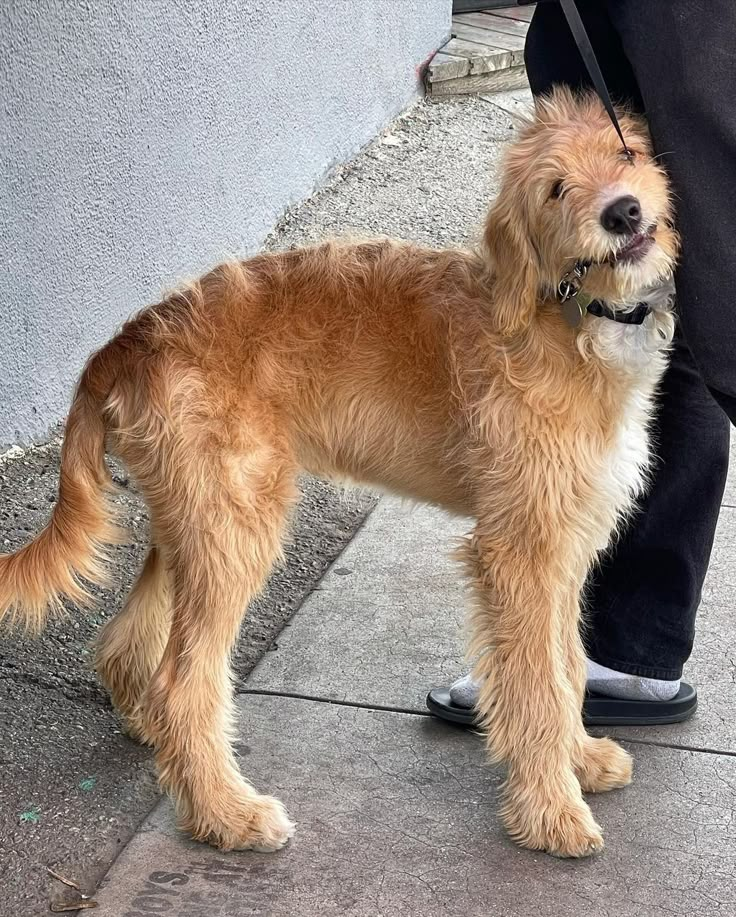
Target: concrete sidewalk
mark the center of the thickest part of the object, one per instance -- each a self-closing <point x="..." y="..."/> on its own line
<point x="397" y="811"/>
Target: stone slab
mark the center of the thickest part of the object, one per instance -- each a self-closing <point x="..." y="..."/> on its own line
<point x="397" y="816"/>
<point x="505" y="80"/>
<point x="388" y="622"/>
<point x="446" y="66"/>
<point x="515" y="102"/>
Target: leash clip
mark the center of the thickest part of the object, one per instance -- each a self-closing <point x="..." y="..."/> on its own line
<point x="570" y="284"/>
<point x="574" y="301"/>
<point x="565" y="290"/>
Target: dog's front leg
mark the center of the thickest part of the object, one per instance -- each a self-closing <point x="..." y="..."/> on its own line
<point x="600" y="763"/>
<point x="529" y="708"/>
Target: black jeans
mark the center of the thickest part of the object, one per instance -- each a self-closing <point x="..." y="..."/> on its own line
<point x="675" y="60"/>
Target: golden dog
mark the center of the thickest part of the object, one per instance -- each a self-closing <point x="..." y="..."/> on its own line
<point x="448" y="376"/>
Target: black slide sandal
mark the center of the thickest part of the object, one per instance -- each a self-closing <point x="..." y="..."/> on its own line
<point x="597" y="709"/>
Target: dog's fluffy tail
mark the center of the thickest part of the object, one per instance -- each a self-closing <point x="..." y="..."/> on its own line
<point x="71" y="548"/>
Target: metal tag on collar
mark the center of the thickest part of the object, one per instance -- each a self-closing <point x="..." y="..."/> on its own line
<point x="574" y="308"/>
<point x="571" y="312"/>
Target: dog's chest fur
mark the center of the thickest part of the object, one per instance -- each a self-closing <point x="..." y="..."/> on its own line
<point x="624" y="466"/>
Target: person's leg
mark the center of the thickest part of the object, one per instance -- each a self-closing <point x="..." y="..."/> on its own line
<point x="644" y="596"/>
<point x="683" y="54"/>
<point x="552" y="58"/>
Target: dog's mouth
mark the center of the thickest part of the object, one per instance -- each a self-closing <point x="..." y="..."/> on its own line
<point x="636" y="249"/>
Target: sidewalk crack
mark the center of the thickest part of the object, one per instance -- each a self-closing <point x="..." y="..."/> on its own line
<point x="408" y="711"/>
<point x="703" y="750"/>
<point x="386" y="708"/>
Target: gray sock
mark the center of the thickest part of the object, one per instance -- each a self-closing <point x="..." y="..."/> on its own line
<point x="464" y="692"/>
<point x="611" y="683"/>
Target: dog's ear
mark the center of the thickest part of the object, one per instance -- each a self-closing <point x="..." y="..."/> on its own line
<point x="514" y="263"/>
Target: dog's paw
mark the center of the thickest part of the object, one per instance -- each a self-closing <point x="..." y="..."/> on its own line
<point x="565" y="828"/>
<point x="253" y="823"/>
<point x="138" y="726"/>
<point x="134" y="728"/>
<point x="573" y="833"/>
<point x="604" y="765"/>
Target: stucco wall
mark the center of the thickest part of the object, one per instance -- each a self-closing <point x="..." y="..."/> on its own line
<point x="143" y="140"/>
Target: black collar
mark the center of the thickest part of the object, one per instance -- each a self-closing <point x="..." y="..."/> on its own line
<point x="575" y="303"/>
<point x="635" y="317"/>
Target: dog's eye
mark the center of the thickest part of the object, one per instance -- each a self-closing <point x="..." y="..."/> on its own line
<point x="557" y="189"/>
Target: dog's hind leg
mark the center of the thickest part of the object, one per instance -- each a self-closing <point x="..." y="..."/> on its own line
<point x="527" y="704"/>
<point x="219" y="523"/>
<point x="130" y="646"/>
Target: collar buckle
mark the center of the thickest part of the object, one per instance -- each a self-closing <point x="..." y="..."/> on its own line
<point x="571" y="282"/>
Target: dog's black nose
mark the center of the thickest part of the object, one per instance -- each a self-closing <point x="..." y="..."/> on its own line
<point x="623" y="216"/>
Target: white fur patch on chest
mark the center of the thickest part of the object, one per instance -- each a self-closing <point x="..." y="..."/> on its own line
<point x="637" y="353"/>
<point x="623" y="473"/>
<point x="631" y="347"/>
<point x="629" y="458"/>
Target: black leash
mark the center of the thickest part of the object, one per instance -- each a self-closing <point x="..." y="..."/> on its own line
<point x="589" y="59"/>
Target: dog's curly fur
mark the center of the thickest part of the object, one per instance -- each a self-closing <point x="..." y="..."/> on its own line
<point x="448" y="376"/>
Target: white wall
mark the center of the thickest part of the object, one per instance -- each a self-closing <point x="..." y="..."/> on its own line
<point x="143" y="140"/>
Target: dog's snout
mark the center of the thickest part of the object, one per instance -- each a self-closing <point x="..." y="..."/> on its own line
<point x="623" y="216"/>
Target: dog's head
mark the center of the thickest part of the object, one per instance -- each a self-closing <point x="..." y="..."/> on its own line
<point x="570" y="194"/>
